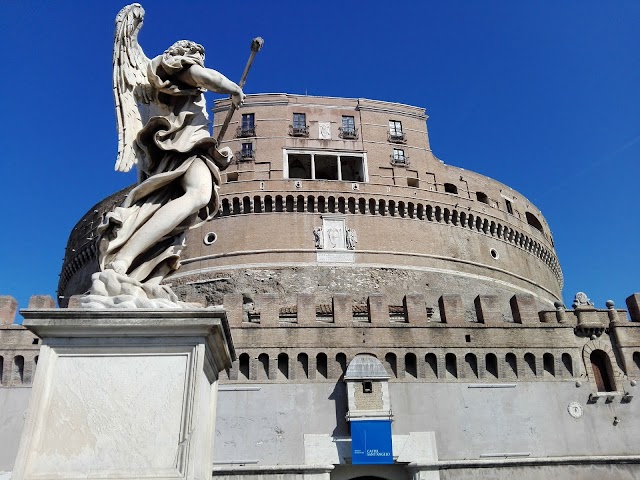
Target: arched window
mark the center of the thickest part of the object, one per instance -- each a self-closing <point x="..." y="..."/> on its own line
<point x="451" y="365"/>
<point x="311" y="204"/>
<point x="263" y="372"/>
<point x="351" y="205"/>
<point x="244" y="365"/>
<point x="246" y="205"/>
<point x="1" y="368"/>
<point x="530" y="360"/>
<point x="601" y="366"/>
<point x="372" y="206"/>
<point x="303" y="365"/>
<point x="283" y="365"/>
<point x="225" y="207"/>
<point x="18" y="369"/>
<point x="411" y="365"/>
<point x="450" y="188"/>
<point x="321" y="365"/>
<point x="279" y="207"/>
<point x="257" y="204"/>
<point x="548" y="363"/>
<point x="511" y="361"/>
<point x="341" y="363"/>
<point x="268" y="204"/>
<point x="568" y="363"/>
<point x="391" y="364"/>
<point x="534" y="222"/>
<point x="300" y="204"/>
<point x="432" y="365"/>
<point x="482" y="197"/>
<point x="289" y="203"/>
<point x="472" y="364"/>
<point x="491" y="362"/>
<point x="236" y="206"/>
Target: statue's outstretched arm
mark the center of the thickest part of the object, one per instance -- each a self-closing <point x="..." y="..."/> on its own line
<point x="212" y="80"/>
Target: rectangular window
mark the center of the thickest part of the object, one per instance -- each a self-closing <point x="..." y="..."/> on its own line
<point x="247" y="150"/>
<point x="395" y="132"/>
<point x="248" y="121"/>
<point x="299" y="120"/>
<point x="299" y="127"/>
<point x="348" y="129"/>
<point x="248" y="127"/>
<point x="395" y="127"/>
<point x="509" y="206"/>
<point x="398" y="156"/>
<point x="325" y="166"/>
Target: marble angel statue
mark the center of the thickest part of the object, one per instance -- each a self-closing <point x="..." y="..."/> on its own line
<point x="163" y="129"/>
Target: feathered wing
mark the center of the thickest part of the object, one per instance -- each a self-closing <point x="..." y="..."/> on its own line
<point x="130" y="83"/>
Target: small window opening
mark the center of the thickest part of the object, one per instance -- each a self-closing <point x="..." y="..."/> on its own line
<point x="35" y="341"/>
<point x="232" y="176"/>
<point x="509" y="206"/>
<point x="467" y="338"/>
<point x="450" y="188"/>
<point x="482" y="197"/>
<point x="534" y="222"/>
<point x="367" y="387"/>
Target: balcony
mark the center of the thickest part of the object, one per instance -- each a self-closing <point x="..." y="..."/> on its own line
<point x="397" y="137"/>
<point x="399" y="161"/>
<point x="245" y="155"/>
<point x="246" y="131"/>
<point x="299" y="130"/>
<point x="349" y="133"/>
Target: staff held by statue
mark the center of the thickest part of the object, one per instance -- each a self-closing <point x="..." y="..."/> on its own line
<point x="256" y="45"/>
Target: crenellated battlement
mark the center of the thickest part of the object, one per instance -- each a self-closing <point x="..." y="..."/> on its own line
<point x="19" y="347"/>
<point x="268" y="311"/>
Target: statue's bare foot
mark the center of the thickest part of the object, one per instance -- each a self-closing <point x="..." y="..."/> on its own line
<point x="119" y="266"/>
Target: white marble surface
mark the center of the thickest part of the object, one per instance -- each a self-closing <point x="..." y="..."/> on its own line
<point x="123" y="394"/>
<point x="115" y="413"/>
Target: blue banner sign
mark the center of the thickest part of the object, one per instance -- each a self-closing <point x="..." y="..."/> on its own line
<point x="371" y="442"/>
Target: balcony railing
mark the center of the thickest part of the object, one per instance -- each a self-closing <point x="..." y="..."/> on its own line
<point x="399" y="161"/>
<point x="245" y="155"/>
<point x="348" y="133"/>
<point x="299" y="130"/>
<point x="397" y="137"/>
<point x="245" y="131"/>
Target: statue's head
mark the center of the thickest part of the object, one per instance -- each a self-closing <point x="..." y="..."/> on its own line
<point x="187" y="48"/>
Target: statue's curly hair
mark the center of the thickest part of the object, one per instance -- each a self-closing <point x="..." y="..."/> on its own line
<point x="185" y="47"/>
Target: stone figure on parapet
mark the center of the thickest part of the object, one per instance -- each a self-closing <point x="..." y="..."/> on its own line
<point x="163" y="129"/>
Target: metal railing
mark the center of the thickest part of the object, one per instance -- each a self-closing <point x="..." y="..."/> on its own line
<point x="299" y="131"/>
<point x="244" y="131"/>
<point x="245" y="155"/>
<point x="399" y="160"/>
<point x="397" y="137"/>
<point x="348" y="133"/>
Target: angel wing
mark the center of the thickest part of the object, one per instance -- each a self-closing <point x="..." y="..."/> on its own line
<point x="129" y="83"/>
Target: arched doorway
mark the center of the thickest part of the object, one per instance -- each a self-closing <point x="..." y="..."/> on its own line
<point x="601" y="367"/>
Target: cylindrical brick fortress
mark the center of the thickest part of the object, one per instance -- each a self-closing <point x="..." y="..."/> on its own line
<point x="310" y="171"/>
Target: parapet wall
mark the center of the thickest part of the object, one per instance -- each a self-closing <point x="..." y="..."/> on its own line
<point x="315" y="342"/>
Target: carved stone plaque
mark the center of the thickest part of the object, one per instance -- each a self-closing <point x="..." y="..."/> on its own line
<point x="324" y="130"/>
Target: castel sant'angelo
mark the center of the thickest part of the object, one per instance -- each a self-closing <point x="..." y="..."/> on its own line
<point x="364" y="280"/>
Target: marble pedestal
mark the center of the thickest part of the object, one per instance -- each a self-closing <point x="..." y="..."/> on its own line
<point x="123" y="394"/>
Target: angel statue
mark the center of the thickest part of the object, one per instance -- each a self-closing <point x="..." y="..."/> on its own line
<point x="163" y="128"/>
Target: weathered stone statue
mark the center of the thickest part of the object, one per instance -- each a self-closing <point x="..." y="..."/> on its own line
<point x="163" y="129"/>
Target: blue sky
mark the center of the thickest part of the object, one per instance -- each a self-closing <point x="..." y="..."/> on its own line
<point x="543" y="96"/>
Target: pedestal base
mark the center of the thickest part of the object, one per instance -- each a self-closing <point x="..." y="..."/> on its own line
<point x="124" y="394"/>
